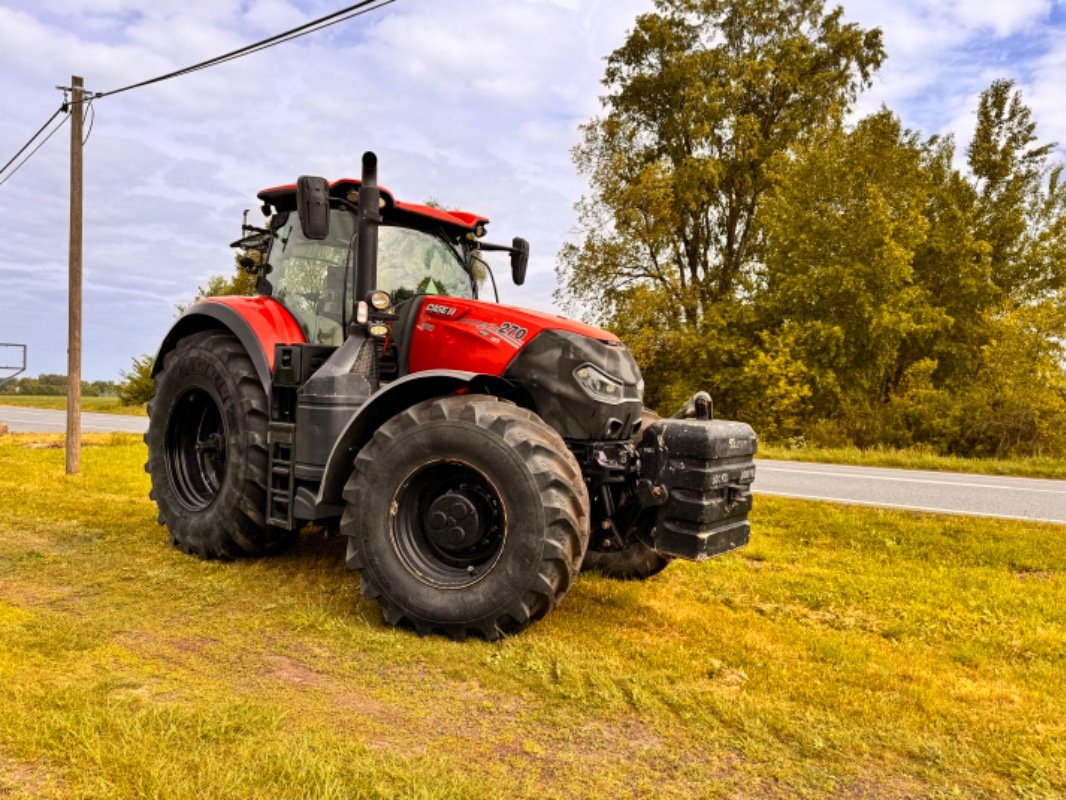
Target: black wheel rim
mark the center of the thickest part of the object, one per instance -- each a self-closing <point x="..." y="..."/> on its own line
<point x="448" y="523"/>
<point x="196" y="449"/>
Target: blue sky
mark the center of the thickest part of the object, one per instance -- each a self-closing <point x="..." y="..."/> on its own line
<point x="472" y="102"/>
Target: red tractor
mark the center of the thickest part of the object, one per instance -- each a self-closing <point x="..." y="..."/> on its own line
<point x="476" y="456"/>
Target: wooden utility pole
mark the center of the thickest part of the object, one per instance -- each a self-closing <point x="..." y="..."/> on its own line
<point x="74" y="300"/>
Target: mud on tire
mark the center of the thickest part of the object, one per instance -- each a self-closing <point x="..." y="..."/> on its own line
<point x="465" y="515"/>
<point x="207" y="450"/>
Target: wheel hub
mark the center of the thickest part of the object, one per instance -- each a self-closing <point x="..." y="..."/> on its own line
<point x="195" y="449"/>
<point x="449" y="522"/>
<point x="452" y="522"/>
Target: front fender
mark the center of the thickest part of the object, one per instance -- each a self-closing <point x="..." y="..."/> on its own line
<point x="259" y="323"/>
<point x="389" y="401"/>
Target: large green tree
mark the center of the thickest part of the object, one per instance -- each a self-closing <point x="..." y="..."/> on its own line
<point x="1021" y="196"/>
<point x="701" y="97"/>
<point x="912" y="303"/>
<point x="844" y="222"/>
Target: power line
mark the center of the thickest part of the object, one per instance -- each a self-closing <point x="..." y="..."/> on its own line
<point x="41" y="144"/>
<point x="330" y="19"/>
<point x="344" y="14"/>
<point x="92" y="119"/>
<point x="33" y="138"/>
<point x="356" y="10"/>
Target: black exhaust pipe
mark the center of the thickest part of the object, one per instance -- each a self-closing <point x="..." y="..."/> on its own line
<point x="366" y="264"/>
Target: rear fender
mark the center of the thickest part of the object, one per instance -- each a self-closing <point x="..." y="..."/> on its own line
<point x="391" y="400"/>
<point x="259" y="323"/>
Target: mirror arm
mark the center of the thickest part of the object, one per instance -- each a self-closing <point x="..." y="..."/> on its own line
<point x="488" y="247"/>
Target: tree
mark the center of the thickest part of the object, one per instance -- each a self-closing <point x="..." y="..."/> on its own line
<point x="1021" y="199"/>
<point x="843" y="226"/>
<point x="137" y="386"/>
<point x="701" y="97"/>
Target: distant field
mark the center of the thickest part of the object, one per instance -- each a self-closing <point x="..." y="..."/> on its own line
<point x="104" y="405"/>
<point x="919" y="459"/>
<point x="845" y="653"/>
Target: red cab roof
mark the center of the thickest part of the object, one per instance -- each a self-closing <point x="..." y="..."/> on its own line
<point x="283" y="198"/>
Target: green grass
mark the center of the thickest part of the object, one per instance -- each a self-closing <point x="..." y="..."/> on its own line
<point x="103" y="405"/>
<point x="845" y="653"/>
<point x="920" y="459"/>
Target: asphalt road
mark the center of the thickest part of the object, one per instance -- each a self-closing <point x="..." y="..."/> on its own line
<point x="934" y="492"/>
<point x="43" y="420"/>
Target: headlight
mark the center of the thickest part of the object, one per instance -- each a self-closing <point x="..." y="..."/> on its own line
<point x="598" y="384"/>
<point x="380" y="300"/>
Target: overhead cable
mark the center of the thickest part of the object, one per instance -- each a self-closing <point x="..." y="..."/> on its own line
<point x="40" y="144"/>
<point x="350" y="12"/>
<point x="91" y="113"/>
<point x="33" y="138"/>
<point x="358" y="9"/>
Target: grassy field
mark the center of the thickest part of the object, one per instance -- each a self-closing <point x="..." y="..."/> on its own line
<point x="845" y="653"/>
<point x="104" y="405"/>
<point x="920" y="459"/>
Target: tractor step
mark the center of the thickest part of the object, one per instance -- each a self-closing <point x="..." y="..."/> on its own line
<point x="281" y="485"/>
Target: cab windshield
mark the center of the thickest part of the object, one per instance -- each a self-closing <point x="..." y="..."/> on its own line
<point x="309" y="276"/>
<point x="414" y="262"/>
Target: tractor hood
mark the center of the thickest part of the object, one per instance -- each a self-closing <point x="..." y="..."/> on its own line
<point x="550" y="322"/>
<point x="458" y="333"/>
<point x="582" y="379"/>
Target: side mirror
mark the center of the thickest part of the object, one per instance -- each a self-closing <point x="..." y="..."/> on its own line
<point x="519" y="260"/>
<point x="312" y="206"/>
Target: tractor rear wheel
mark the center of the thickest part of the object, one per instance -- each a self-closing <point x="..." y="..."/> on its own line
<point x="207" y="450"/>
<point x="635" y="561"/>
<point x="466" y="515"/>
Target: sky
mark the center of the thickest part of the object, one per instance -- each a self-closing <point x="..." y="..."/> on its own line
<point x="473" y="103"/>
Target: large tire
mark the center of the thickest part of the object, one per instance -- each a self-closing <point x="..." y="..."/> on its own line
<point x="466" y="515"/>
<point x="207" y="450"/>
<point x="635" y="561"/>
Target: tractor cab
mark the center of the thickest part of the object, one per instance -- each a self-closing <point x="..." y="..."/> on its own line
<point x="421" y="250"/>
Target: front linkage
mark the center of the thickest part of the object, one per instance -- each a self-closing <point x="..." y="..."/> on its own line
<point x="681" y="488"/>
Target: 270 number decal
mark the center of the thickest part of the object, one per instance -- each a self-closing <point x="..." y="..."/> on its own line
<point x="512" y="331"/>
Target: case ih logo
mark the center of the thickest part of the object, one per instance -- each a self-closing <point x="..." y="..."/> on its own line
<point x="440" y="310"/>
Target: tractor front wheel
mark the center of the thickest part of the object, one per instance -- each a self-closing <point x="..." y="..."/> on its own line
<point x="207" y="450"/>
<point x="466" y="515"/>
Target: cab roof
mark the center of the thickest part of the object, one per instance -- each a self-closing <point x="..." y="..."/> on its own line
<point x="283" y="198"/>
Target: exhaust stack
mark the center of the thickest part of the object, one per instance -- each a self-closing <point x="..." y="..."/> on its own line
<point x="366" y="269"/>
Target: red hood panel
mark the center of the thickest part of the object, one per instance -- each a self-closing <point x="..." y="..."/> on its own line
<point x="455" y="333"/>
